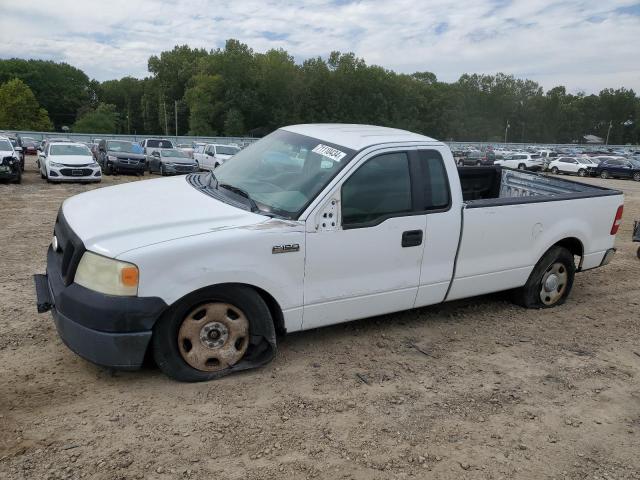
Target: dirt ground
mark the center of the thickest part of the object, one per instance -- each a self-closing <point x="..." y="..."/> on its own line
<point x="472" y="389"/>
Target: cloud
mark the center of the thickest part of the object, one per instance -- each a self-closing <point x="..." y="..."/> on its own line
<point x="582" y="44"/>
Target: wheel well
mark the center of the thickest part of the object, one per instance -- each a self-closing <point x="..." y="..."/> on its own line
<point x="574" y="246"/>
<point x="272" y="304"/>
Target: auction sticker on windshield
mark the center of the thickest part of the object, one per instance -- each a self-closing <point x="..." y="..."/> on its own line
<point x="329" y="152"/>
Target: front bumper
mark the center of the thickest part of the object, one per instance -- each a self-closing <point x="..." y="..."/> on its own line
<point x="71" y="174"/>
<point x="120" y="166"/>
<point x="180" y="170"/>
<point x="107" y="330"/>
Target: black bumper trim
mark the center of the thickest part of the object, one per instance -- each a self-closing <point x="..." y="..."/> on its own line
<point x="122" y="351"/>
<point x="43" y="294"/>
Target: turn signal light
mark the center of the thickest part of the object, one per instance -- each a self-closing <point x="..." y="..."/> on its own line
<point x="617" y="220"/>
<point x="129" y="276"/>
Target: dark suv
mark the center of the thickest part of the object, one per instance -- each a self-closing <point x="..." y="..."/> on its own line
<point x="120" y="156"/>
<point x="475" y="157"/>
<point x="619" y="168"/>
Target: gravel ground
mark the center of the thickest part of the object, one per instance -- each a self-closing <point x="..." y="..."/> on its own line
<point x="471" y="389"/>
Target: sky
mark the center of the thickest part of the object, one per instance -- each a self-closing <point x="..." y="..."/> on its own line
<point x="585" y="45"/>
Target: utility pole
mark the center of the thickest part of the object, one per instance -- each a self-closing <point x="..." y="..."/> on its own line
<point x="164" y="107"/>
<point x="176" y="113"/>
<point x="608" y="132"/>
<point x="505" y="131"/>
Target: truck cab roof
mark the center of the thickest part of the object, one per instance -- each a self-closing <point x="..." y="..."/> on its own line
<point x="357" y="137"/>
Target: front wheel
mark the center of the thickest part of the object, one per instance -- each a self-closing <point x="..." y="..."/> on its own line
<point x="636" y="176"/>
<point x="214" y="332"/>
<point x="550" y="281"/>
<point x="604" y="174"/>
<point x="522" y="166"/>
<point x="108" y="169"/>
<point x="554" y="170"/>
<point x="582" y="172"/>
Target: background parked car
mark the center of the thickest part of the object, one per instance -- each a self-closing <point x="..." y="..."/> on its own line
<point x="171" y="161"/>
<point x="523" y="161"/>
<point x="187" y="148"/>
<point x="581" y="166"/>
<point x="477" y="157"/>
<point x="213" y="155"/>
<point x="17" y="147"/>
<point x="619" y="168"/>
<point x="30" y="145"/>
<point x="9" y="162"/>
<point x="69" y="162"/>
<point x="119" y="156"/>
<point x="151" y="145"/>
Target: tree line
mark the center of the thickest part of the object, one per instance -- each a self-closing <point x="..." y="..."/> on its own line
<point x="237" y="91"/>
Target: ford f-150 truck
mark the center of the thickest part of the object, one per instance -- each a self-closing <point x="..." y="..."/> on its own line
<point x="311" y="226"/>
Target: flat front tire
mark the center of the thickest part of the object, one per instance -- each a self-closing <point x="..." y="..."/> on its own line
<point x="214" y="332"/>
<point x="550" y="282"/>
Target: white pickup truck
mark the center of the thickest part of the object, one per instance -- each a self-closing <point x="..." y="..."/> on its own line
<point x="311" y="226"/>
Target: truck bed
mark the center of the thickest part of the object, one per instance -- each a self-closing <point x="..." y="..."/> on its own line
<point x="493" y="186"/>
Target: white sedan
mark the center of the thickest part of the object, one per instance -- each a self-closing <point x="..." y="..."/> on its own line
<point x="69" y="162"/>
<point x="573" y="165"/>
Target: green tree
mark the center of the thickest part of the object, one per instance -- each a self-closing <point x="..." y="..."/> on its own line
<point x="104" y="119"/>
<point x="234" y="123"/>
<point x="19" y="109"/>
<point x="60" y="88"/>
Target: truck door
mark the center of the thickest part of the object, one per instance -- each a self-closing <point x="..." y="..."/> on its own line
<point x="364" y="244"/>
<point x="443" y="223"/>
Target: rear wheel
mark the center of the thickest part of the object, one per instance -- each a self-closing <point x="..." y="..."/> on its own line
<point x="604" y="174"/>
<point x="636" y="176"/>
<point x="554" y="170"/>
<point x="212" y="333"/>
<point x="550" y="281"/>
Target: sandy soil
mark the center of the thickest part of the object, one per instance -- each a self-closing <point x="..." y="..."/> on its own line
<point x="472" y="389"/>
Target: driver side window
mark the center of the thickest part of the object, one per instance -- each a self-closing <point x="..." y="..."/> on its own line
<point x="379" y="189"/>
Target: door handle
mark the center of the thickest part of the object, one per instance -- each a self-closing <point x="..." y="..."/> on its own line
<point x="412" y="238"/>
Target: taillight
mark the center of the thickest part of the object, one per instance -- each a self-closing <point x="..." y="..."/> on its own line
<point x="617" y="220"/>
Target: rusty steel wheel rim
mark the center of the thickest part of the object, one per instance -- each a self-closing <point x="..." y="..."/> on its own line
<point x="554" y="283"/>
<point x="213" y="336"/>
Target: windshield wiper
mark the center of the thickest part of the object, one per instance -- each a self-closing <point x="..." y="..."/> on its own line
<point x="242" y="193"/>
<point x="213" y="181"/>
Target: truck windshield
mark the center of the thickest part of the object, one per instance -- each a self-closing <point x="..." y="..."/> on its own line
<point x="224" y="150"/>
<point x="284" y="171"/>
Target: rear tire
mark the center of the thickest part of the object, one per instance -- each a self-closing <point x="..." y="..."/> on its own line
<point x="550" y="282"/>
<point x="176" y="354"/>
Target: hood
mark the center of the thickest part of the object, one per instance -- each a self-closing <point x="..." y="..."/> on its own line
<point x="71" y="159"/>
<point x="188" y="161"/>
<point x="6" y="153"/>
<point x="113" y="220"/>
<point x="135" y="156"/>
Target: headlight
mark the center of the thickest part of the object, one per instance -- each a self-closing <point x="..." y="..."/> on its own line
<point x="55" y="164"/>
<point x="106" y="275"/>
<point x="169" y="164"/>
<point x="93" y="164"/>
<point x="112" y="158"/>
